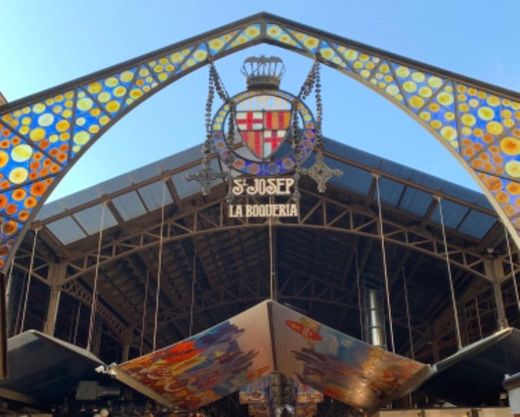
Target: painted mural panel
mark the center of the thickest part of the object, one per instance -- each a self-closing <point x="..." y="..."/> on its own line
<point x="338" y="365"/>
<point x="210" y="365"/>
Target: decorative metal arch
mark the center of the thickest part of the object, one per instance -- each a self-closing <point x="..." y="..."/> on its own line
<point x="44" y="134"/>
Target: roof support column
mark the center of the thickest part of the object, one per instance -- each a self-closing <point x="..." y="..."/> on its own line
<point x="495" y="271"/>
<point x="55" y="277"/>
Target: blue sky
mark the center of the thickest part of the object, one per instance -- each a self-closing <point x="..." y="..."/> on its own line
<point x="46" y="43"/>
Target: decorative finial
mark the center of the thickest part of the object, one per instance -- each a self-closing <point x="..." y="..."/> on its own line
<point x="263" y="72"/>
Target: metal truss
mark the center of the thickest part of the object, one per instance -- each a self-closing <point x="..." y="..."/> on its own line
<point x="326" y="214"/>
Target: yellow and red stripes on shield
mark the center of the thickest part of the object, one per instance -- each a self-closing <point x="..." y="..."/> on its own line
<point x="274" y="120"/>
<point x="263" y="131"/>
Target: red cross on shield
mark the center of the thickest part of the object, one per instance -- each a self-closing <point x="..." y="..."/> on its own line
<point x="263" y="132"/>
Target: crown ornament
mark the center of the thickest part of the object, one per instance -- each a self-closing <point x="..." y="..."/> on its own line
<point x="263" y="72"/>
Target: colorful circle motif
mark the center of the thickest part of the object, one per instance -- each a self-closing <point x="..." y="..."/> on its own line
<point x="282" y="161"/>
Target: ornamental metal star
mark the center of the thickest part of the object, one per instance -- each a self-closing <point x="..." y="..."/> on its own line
<point x="205" y="177"/>
<point x="322" y="173"/>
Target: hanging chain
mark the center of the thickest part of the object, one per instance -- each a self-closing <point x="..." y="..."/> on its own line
<point x="319" y="171"/>
<point x="319" y="111"/>
<point x="206" y="175"/>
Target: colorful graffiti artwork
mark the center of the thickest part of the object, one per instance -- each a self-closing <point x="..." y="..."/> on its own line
<point x="237" y="354"/>
<point x="210" y="365"/>
<point x="338" y="365"/>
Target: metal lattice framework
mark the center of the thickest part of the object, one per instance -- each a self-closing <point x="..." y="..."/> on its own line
<point x="44" y="134"/>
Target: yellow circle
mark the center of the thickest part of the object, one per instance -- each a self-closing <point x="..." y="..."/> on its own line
<point x="113" y="106"/>
<point x="311" y="42"/>
<point x="493" y="101"/>
<point x="513" y="169"/>
<point x="37" y="134"/>
<point x="111" y="82"/>
<point x="200" y="55"/>
<point x="252" y="31"/>
<point x="495" y="128"/>
<point x="81" y="138"/>
<point x="436" y="124"/>
<point x="409" y="86"/>
<point x="392" y="90"/>
<point x="416" y="102"/>
<point x="62" y="125"/>
<point x="217" y="43"/>
<point x="402" y="72"/>
<point x="448" y="133"/>
<point x="327" y="53"/>
<point x="350" y="55"/>
<point x="21" y="153"/>
<point x="135" y="93"/>
<point x="425" y="115"/>
<point x="434" y="107"/>
<point x="4" y="159"/>
<point x="85" y="104"/>
<point x="46" y="119"/>
<point x="434" y="82"/>
<point x="425" y="92"/>
<point x="510" y="145"/>
<point x="18" y="175"/>
<point x="119" y="91"/>
<point x="486" y="113"/>
<point x="418" y="76"/>
<point x="126" y="76"/>
<point x="468" y="120"/>
<point x="445" y="99"/>
<point x="39" y="108"/>
<point x="95" y="87"/>
<point x="175" y="58"/>
<point x="104" y="97"/>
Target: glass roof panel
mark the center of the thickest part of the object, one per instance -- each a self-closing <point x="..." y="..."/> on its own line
<point x="477" y="224"/>
<point x="152" y="195"/>
<point x="129" y="205"/>
<point x="390" y="191"/>
<point x="90" y="219"/>
<point x="453" y="214"/>
<point x="353" y="179"/>
<point x="186" y="188"/>
<point x="66" y="230"/>
<point x="416" y="201"/>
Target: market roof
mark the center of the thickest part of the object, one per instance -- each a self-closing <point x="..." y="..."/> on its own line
<point x="140" y="191"/>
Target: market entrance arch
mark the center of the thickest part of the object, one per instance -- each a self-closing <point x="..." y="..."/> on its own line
<point x="44" y="134"/>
